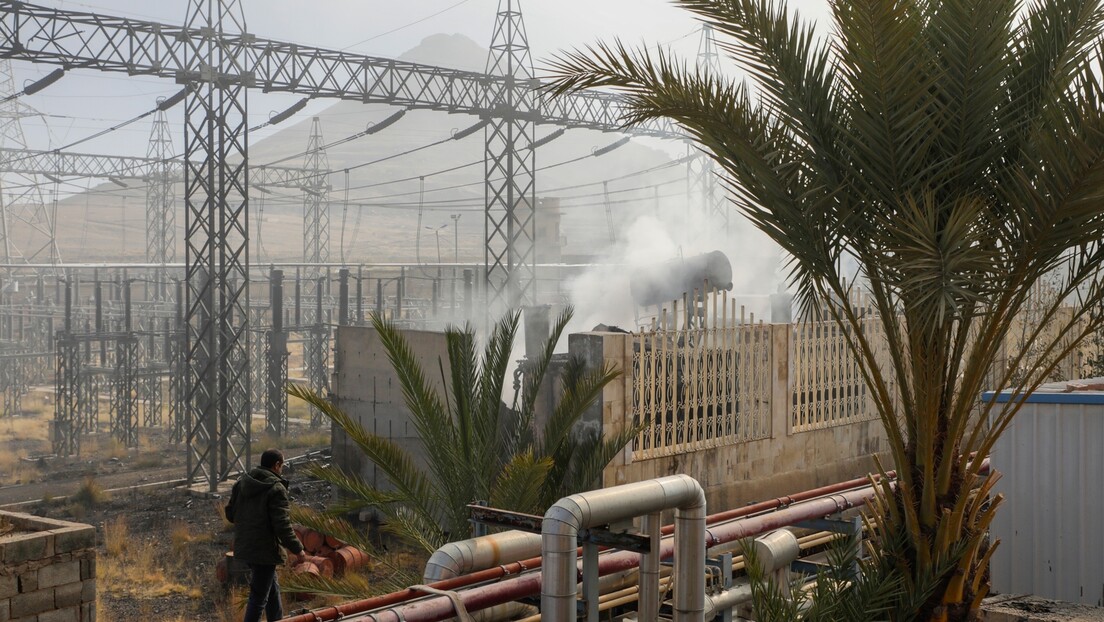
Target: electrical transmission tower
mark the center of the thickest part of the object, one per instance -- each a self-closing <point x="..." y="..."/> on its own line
<point x="510" y="164"/>
<point x="316" y="252"/>
<point x="216" y="185"/>
<point x="316" y="203"/>
<point x="218" y="61"/>
<point x="702" y="184"/>
<point x="21" y="198"/>
<point x="160" y="199"/>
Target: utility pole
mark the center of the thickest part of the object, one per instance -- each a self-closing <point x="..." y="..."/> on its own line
<point x="455" y="260"/>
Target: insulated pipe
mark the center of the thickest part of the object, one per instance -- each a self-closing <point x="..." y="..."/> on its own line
<point x="525" y="585"/>
<point x="460" y="558"/>
<point x="335" y="612"/>
<point x="456" y="559"/>
<point x="727" y="599"/>
<point x="651" y="525"/>
<point x="562" y="522"/>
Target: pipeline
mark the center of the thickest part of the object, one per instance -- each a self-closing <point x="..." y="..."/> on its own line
<point x="438" y="608"/>
<point x="459" y="558"/>
<point x="562" y="522"/>
<point x="336" y="612"/>
<point x="511" y="582"/>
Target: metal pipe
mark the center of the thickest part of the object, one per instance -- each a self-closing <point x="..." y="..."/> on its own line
<point x="789" y="511"/>
<point x="562" y="522"/>
<point x="652" y="526"/>
<point x="459" y="558"/>
<point x="524" y="585"/>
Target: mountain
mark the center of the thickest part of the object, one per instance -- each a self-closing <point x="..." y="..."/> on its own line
<point x="380" y="222"/>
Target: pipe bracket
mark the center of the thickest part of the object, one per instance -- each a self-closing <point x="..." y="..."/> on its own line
<point x="457" y="603"/>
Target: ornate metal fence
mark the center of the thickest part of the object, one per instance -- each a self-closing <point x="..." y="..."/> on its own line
<point x="826" y="384"/>
<point x="700" y="380"/>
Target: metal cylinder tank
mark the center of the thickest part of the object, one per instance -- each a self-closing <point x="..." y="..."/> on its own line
<point x="669" y="280"/>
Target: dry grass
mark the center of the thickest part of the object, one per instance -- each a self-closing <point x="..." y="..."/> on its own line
<point x="150" y="460"/>
<point x="15" y="470"/>
<point x="181" y="537"/>
<point x="90" y="494"/>
<point x="29" y="428"/>
<point x="108" y="447"/>
<point x="135" y="567"/>
<point x="313" y="438"/>
<point x="116" y="536"/>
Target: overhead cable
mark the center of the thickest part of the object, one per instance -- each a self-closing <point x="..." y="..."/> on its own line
<point x="368" y="131"/>
<point x="175" y="99"/>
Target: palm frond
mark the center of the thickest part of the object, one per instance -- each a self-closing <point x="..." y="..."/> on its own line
<point x="519" y="485"/>
<point x="336" y="527"/>
<point x="400" y="469"/>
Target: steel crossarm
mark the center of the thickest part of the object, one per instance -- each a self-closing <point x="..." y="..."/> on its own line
<point x="91" y="41"/>
<point x="62" y="164"/>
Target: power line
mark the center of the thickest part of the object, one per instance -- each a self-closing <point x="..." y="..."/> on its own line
<point x="405" y="26"/>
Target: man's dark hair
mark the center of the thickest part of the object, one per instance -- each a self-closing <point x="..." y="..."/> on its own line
<point x="270" y="457"/>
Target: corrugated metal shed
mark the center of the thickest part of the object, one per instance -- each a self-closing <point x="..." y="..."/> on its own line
<point x="1051" y="525"/>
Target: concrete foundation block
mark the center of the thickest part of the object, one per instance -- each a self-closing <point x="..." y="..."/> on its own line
<point x="68" y="614"/>
<point x="23" y="547"/>
<point x="59" y="574"/>
<point x="68" y="595"/>
<point x="28" y="581"/>
<point x="88" y="568"/>
<point x="34" y="603"/>
<point x="74" y="539"/>
<point x="9" y="586"/>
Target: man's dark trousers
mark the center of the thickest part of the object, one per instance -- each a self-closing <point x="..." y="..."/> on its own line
<point x="264" y="594"/>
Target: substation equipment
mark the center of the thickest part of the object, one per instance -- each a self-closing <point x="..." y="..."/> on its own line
<point x="198" y="329"/>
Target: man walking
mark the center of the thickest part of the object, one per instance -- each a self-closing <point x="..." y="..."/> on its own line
<point x="259" y="510"/>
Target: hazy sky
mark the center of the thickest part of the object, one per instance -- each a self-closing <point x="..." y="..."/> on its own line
<point x="87" y="101"/>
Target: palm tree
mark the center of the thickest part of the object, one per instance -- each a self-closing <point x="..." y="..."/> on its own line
<point x="952" y="152"/>
<point x="475" y="447"/>
<point x="846" y="589"/>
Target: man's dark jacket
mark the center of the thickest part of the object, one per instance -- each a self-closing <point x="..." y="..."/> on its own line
<point x="259" y="510"/>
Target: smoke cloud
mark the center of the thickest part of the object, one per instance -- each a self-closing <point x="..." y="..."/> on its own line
<point x="601" y="293"/>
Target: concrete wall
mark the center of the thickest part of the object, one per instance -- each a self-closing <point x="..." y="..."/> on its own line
<point x="366" y="388"/>
<point x="47" y="571"/>
<point x="745" y="472"/>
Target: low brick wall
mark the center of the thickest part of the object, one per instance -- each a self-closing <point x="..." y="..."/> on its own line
<point x="47" y="571"/>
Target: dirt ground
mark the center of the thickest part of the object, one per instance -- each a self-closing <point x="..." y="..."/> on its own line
<point x="158" y="544"/>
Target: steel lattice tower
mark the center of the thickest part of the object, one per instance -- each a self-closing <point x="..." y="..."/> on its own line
<point x="276" y="360"/>
<point x="21" y="194"/>
<point x="160" y="199"/>
<point x="316" y="252"/>
<point x="216" y="186"/>
<point x="316" y="208"/>
<point x="510" y="165"/>
<point x="702" y="176"/>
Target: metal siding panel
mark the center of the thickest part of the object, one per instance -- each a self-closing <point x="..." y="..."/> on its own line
<point x="1068" y="536"/>
<point x="1052" y="543"/>
<point x="1092" y="496"/>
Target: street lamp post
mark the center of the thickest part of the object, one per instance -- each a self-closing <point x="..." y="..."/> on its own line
<point x="437" y="235"/>
<point x="455" y="259"/>
<point x="437" y="282"/>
